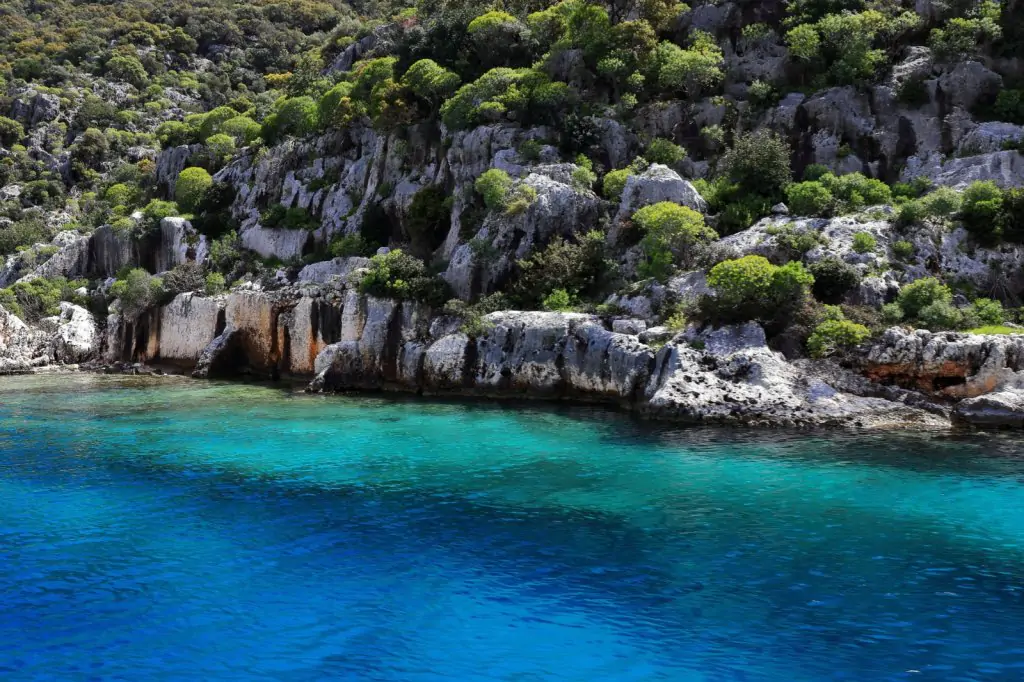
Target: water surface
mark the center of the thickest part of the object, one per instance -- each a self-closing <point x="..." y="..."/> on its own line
<point x="179" y="530"/>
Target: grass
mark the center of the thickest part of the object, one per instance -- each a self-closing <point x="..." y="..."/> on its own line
<point x="996" y="329"/>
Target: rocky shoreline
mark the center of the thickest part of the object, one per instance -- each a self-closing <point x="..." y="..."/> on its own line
<point x="342" y="340"/>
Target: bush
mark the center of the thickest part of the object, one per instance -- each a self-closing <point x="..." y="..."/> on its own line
<point x="297" y="116"/>
<point x="832" y="279"/>
<point x="558" y="300"/>
<point x="615" y="182"/>
<point x="751" y="288"/>
<point x="759" y="163"/>
<point x="989" y="312"/>
<point x="24" y="233"/>
<point x="854" y="191"/>
<point x="903" y="249"/>
<point x="494" y="186"/>
<point x="400" y="276"/>
<point x="40" y="297"/>
<point x="892" y="314"/>
<point x="579" y="268"/>
<point x="864" y="242"/>
<point x="191" y="187"/>
<point x="664" y="152"/>
<point x="940" y="315"/>
<point x="921" y="293"/>
<point x="137" y="292"/>
<point x="670" y="233"/>
<point x="809" y="199"/>
<point x="242" y="128"/>
<point x="277" y="216"/>
<point x="430" y="82"/>
<point x="944" y="202"/>
<point x="836" y="336"/>
<point x="981" y="209"/>
<point x="346" y="246"/>
<point x="692" y="69"/>
<point x="11" y="131"/>
<point x="188" y="276"/>
<point x="128" y="69"/>
<point x="214" y="284"/>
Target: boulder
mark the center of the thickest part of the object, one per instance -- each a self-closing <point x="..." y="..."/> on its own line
<point x="77" y="338"/>
<point x="336" y="270"/>
<point x="999" y="409"/>
<point x="989" y="137"/>
<point x="658" y="183"/>
<point x="1005" y="168"/>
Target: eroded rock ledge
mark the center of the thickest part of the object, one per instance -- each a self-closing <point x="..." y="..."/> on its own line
<point x="344" y="340"/>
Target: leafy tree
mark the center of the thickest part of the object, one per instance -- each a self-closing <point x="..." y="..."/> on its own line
<point x="400" y="276"/>
<point x="981" y="209"/>
<point x="578" y="268"/>
<point x="190" y="188"/>
<point x="242" y="128"/>
<point x="758" y="162"/>
<point x="962" y="37"/>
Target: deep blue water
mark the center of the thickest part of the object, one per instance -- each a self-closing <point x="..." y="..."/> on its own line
<point x="192" y="531"/>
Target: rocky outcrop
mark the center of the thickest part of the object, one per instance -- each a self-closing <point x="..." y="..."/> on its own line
<point x="999" y="409"/>
<point x="656" y="184"/>
<point x="946" y="364"/>
<point x="77" y="338"/>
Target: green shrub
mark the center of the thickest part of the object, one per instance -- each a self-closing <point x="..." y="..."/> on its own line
<point x="892" y="313"/>
<point x="940" y="315"/>
<point x="664" y="152"/>
<point x="191" y="187"/>
<point x="214" y="284"/>
<point x="944" y="202"/>
<point x="670" y="233"/>
<point x="917" y="295"/>
<point x="128" y="69"/>
<point x="24" y="233"/>
<point x="989" y="312"/>
<point x="836" y="336"/>
<point x="346" y="246"/>
<point x="693" y="69"/>
<point x="279" y="217"/>
<point x="809" y="199"/>
<point x="430" y="82"/>
<point x="615" y="182"/>
<point x="400" y="276"/>
<point x="579" y="268"/>
<point x="981" y="210"/>
<point x="296" y="116"/>
<point x="494" y="186"/>
<point x="759" y="163"/>
<point x="242" y="128"/>
<point x="832" y="279"/>
<point x="40" y="297"/>
<point x="137" y="292"/>
<point x="121" y="194"/>
<point x="864" y="242"/>
<point x="903" y="249"/>
<point x="751" y="288"/>
<point x="11" y="131"/>
<point x="558" y="300"/>
<point x="854" y="191"/>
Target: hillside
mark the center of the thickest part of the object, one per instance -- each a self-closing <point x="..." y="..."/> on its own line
<point x="817" y="171"/>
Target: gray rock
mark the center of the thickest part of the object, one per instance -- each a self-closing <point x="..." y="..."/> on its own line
<point x="1000" y="409"/>
<point x="336" y="270"/>
<point x="658" y="183"/>
<point x="77" y="338"/>
<point x="630" y="326"/>
<point x="989" y="137"/>
<point x="967" y="84"/>
<point x="1006" y="169"/>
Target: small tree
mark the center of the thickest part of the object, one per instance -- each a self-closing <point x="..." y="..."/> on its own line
<point x="191" y="187"/>
<point x="759" y="163"/>
<point x="494" y="186"/>
<point x="670" y="232"/>
<point x="128" y="69"/>
<point x="921" y="293"/>
<point x="137" y="292"/>
<point x="11" y="131"/>
<point x="751" y="288"/>
<point x="431" y="82"/>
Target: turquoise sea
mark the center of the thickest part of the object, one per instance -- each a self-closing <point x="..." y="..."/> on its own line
<point x="179" y="530"/>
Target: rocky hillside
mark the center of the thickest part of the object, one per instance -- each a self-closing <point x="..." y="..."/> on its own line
<point x="730" y="211"/>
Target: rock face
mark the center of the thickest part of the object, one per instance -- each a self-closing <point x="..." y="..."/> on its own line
<point x="946" y="364"/>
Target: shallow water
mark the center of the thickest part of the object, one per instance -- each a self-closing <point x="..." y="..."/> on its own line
<point x="180" y="530"/>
